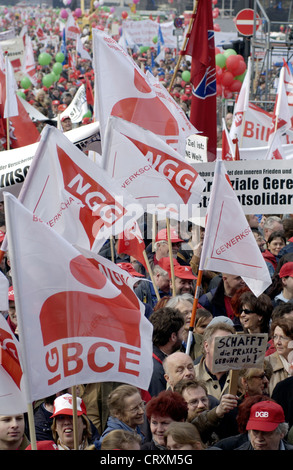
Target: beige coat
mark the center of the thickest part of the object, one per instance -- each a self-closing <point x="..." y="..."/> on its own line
<point x="279" y="373"/>
<point x="212" y="384"/>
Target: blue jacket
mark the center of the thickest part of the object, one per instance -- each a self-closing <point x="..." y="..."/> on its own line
<point x="115" y="423"/>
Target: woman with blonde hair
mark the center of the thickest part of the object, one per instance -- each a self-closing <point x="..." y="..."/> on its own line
<point x="183" y="436"/>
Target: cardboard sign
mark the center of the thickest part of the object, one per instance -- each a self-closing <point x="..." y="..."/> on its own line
<point x="239" y="351"/>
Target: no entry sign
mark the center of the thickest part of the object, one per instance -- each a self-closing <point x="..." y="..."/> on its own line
<point x="244" y="22"/>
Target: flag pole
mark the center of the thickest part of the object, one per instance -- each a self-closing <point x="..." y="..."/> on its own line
<point x="171" y="257"/>
<point x="184" y="45"/>
<point x="74" y="411"/>
<point x="194" y="308"/>
<point x="151" y="273"/>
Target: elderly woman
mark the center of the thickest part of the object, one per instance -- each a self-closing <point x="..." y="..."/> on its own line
<point x="282" y="335"/>
<point x="162" y="410"/>
<point x="126" y="409"/>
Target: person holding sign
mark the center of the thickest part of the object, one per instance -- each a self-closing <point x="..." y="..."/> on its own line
<point x="217" y="383"/>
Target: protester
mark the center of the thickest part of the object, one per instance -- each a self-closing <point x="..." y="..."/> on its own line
<point x="182" y="436"/>
<point x="254" y="381"/>
<point x="218" y="300"/>
<point x="178" y="366"/>
<point x="161" y="410"/>
<point x="66" y="123"/>
<point x="12" y="432"/>
<point x="145" y="290"/>
<point x="161" y="246"/>
<point x="275" y="242"/>
<point x="282" y="335"/>
<point x="254" y="312"/>
<point x="184" y="282"/>
<point x="272" y="224"/>
<point x="119" y="439"/>
<point x="184" y="303"/>
<point x="126" y="409"/>
<point x="286" y="276"/>
<point x="266" y="428"/>
<point x="217" y="384"/>
<point x="168" y="326"/>
<point x="62" y="426"/>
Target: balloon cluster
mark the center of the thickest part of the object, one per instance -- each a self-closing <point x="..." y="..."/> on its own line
<point x="230" y="72"/>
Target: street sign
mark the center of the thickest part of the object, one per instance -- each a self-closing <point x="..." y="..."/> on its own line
<point x="244" y="22"/>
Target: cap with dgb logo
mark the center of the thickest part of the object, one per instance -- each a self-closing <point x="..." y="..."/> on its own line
<point x="265" y="416"/>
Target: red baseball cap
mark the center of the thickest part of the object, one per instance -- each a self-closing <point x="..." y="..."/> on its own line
<point x="165" y="264"/>
<point x="286" y="270"/>
<point x="130" y="269"/>
<point x="64" y="118"/>
<point x="265" y="416"/>
<point x="162" y="235"/>
<point x="184" y="272"/>
<point x="63" y="406"/>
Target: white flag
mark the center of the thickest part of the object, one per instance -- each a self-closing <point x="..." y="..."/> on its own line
<point x="150" y="170"/>
<point x="73" y="195"/>
<point x="81" y="50"/>
<point x="229" y="245"/>
<point x="75" y="326"/>
<point x="11" y="106"/>
<point x="123" y="90"/>
<point x="12" y="395"/>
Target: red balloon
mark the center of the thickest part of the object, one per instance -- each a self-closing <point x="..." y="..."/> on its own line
<point x="219" y="74"/>
<point x="217" y="27"/>
<point x="240" y="69"/>
<point x="228" y="78"/>
<point x="232" y="62"/>
<point x="217" y="51"/>
<point x="219" y="89"/>
<point x="235" y="86"/>
<point x="228" y="94"/>
<point x="124" y="14"/>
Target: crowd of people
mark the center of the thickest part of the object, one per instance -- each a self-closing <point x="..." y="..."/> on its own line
<point x="187" y="406"/>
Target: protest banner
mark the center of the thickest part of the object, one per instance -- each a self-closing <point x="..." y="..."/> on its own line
<point x="15" y="163"/>
<point x="240" y="351"/>
<point x="262" y="186"/>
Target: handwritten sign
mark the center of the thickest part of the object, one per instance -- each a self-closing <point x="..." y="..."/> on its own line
<point x="239" y="351"/>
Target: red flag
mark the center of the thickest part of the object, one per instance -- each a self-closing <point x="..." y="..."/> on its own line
<point x="201" y="48"/>
<point x="89" y="93"/>
<point x="131" y="242"/>
<point x="22" y="129"/>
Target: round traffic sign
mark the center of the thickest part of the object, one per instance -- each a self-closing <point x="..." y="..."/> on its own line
<point x="244" y="22"/>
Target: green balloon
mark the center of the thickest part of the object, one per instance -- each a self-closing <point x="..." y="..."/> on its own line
<point x="57" y="68"/>
<point x="87" y="114"/>
<point x="25" y="82"/>
<point x="47" y="80"/>
<point x="186" y="76"/>
<point x="54" y="76"/>
<point x="44" y="58"/>
<point x="143" y="49"/>
<point x="60" y="57"/>
<point x="21" y="94"/>
<point x="240" y="77"/>
<point x="229" y="52"/>
<point x="220" y="60"/>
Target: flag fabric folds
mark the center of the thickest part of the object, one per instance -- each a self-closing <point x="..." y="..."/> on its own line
<point x="241" y="107"/>
<point x="69" y="192"/>
<point x="229" y="245"/>
<point x="84" y="328"/>
<point x="201" y="48"/>
<point x="131" y="243"/>
<point x="150" y="170"/>
<point x="129" y="94"/>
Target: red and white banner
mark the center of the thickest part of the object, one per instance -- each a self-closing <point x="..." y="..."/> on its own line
<point x="150" y="170"/>
<point x="28" y="64"/>
<point x="84" y="328"/>
<point x="12" y="396"/>
<point x="71" y="28"/>
<point x="131" y="243"/>
<point x="70" y="193"/>
<point x="229" y="245"/>
<point x="123" y="90"/>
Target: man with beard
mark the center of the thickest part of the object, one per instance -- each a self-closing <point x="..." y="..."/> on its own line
<point x="206" y="413"/>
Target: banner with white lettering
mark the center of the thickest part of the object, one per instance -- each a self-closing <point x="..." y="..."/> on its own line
<point x="84" y="328"/>
<point x="143" y="32"/>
